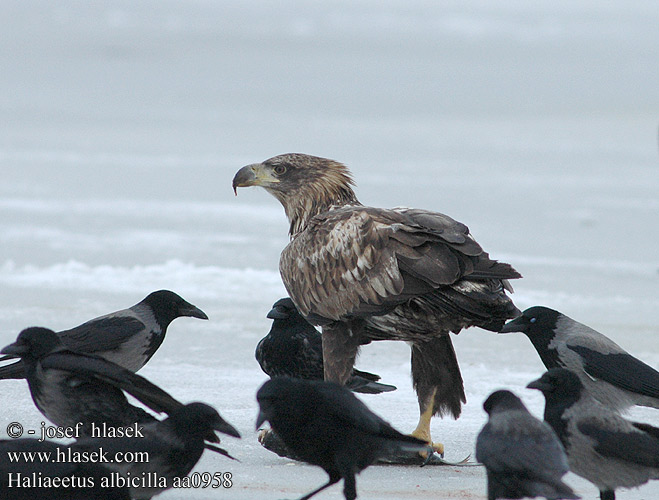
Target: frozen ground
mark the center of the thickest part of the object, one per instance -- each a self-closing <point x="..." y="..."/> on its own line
<point x="122" y="124"/>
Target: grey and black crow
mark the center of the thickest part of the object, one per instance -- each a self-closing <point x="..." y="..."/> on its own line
<point x="128" y="337"/>
<point x="366" y="273"/>
<point x="294" y="348"/>
<point x="39" y="475"/>
<point x="173" y="447"/>
<point x="612" y="376"/>
<point x="602" y="447"/>
<point x="326" y="425"/>
<point x="522" y="455"/>
<point x="69" y="387"/>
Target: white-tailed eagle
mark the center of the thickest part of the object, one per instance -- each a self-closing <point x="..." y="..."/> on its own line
<point x="365" y="274"/>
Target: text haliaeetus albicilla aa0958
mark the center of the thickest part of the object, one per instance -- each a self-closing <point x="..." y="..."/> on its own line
<point x="365" y="273"/>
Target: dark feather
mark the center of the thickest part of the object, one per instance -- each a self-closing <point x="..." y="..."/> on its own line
<point x="113" y="374"/>
<point x="620" y="369"/>
<point x="102" y="334"/>
<point x="294" y="348"/>
<point x="638" y="447"/>
<point x="522" y="455"/>
<point x="326" y="425"/>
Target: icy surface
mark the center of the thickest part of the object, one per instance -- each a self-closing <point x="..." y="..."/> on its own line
<point x="122" y="124"/>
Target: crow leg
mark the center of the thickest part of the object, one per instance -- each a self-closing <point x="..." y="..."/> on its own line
<point x="349" y="486"/>
<point x="340" y="347"/>
<point x="607" y="495"/>
<point x="333" y="480"/>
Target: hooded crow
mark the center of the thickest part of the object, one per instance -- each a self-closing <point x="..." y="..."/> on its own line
<point x="613" y="377"/>
<point x="601" y="446"/>
<point x="128" y="337"/>
<point x="69" y="387"/>
<point x="294" y="348"/>
<point x="29" y="470"/>
<point x="172" y="447"/>
<point x="522" y="455"/>
<point x="326" y="425"/>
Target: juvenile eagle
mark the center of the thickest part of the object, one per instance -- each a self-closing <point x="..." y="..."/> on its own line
<point x="365" y="273"/>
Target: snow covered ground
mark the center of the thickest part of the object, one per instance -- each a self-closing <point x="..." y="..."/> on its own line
<point x="122" y="124"/>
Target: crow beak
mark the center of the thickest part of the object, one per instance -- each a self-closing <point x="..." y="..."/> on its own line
<point x="193" y="312"/>
<point x="225" y="427"/>
<point x="259" y="420"/>
<point x="540" y="385"/>
<point x="516" y="325"/>
<point x="15" y="349"/>
<point x="253" y="175"/>
<point x="277" y="313"/>
<point x="219" y="450"/>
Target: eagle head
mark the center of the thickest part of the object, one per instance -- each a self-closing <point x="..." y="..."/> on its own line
<point x="305" y="185"/>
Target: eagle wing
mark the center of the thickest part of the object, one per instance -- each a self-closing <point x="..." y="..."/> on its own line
<point x="362" y="261"/>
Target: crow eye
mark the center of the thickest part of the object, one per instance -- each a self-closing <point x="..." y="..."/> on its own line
<point x="533" y="320"/>
<point x="279" y="169"/>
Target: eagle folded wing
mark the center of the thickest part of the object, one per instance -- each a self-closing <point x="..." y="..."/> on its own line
<point x="357" y="261"/>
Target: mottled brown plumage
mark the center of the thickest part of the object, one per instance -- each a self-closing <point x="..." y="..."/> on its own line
<point x="366" y="273"/>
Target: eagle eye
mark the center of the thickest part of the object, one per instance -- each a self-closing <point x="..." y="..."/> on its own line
<point x="279" y="169"/>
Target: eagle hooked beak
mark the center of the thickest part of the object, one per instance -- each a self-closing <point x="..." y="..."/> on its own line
<point x="253" y="175"/>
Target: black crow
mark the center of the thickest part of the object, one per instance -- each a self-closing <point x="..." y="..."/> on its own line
<point x="30" y="470"/>
<point x="326" y="425"/>
<point x="294" y="348"/>
<point x="612" y="376"/>
<point x="166" y="453"/>
<point x="522" y="455"/>
<point x="69" y="387"/>
<point x="601" y="446"/>
<point x="128" y="337"/>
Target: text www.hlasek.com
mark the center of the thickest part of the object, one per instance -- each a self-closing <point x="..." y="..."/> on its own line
<point x="67" y="455"/>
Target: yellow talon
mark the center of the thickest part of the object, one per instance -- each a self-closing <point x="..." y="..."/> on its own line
<point x="422" y="430"/>
<point x="425" y="436"/>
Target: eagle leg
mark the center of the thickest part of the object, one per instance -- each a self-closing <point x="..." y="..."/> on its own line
<point x="438" y="383"/>
<point x="422" y="430"/>
<point x="340" y="347"/>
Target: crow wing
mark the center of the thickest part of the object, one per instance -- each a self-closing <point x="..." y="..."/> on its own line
<point x="345" y="407"/>
<point x="620" y="369"/>
<point x="638" y="447"/>
<point x="102" y="334"/>
<point x="93" y="367"/>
